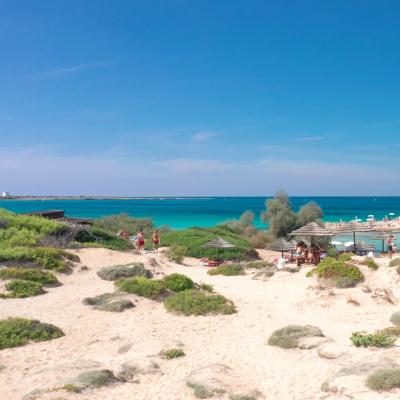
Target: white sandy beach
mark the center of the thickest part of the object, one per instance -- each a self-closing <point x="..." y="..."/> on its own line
<point x="104" y="340"/>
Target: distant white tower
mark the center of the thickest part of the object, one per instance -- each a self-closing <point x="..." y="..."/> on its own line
<point x="5" y="194"/>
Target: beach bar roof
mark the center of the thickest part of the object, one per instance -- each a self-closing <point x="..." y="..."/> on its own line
<point x="219" y="243"/>
<point x="361" y="246"/>
<point x="382" y="236"/>
<point x="353" y="227"/>
<point x="312" y="230"/>
<point x="281" y="245"/>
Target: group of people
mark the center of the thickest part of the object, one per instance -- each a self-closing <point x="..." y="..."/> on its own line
<point x="307" y="254"/>
<point x="139" y="239"/>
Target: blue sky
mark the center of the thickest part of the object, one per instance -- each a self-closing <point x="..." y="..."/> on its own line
<point x="199" y="97"/>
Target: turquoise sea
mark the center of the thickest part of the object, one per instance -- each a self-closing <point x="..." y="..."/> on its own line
<point x="185" y="212"/>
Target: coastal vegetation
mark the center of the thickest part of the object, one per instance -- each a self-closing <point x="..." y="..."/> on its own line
<point x="178" y="282"/>
<point x="370" y="263"/>
<point x="379" y="339"/>
<point x="395" y="318"/>
<point x="227" y="270"/>
<point x="173" y="353"/>
<point x="115" y="272"/>
<point x="29" y="274"/>
<point x="19" y="289"/>
<point x="384" y="379"/>
<point x="289" y="336"/>
<point x="18" y="332"/>
<point x="395" y="262"/>
<point x="112" y="302"/>
<point x="141" y="286"/>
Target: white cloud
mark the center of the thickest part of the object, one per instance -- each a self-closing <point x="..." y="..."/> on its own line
<point x="310" y="139"/>
<point x="203" y="136"/>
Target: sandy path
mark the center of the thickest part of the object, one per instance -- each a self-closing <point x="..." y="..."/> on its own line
<point x="94" y="338"/>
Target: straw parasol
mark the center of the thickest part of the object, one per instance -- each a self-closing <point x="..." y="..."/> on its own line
<point x="353" y="227"/>
<point x="382" y="236"/>
<point x="312" y="230"/>
<point x="281" y="245"/>
<point x="361" y="246"/>
<point x="219" y="243"/>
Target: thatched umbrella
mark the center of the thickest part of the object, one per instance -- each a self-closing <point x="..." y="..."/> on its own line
<point x="312" y="230"/>
<point x="382" y="236"/>
<point x="361" y="246"/>
<point x="353" y="227"/>
<point x="219" y="243"/>
<point x="281" y="245"/>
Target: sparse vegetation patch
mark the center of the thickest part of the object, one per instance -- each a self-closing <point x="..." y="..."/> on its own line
<point x="361" y="339"/>
<point x="288" y="337"/>
<point x="124" y="271"/>
<point x="173" y="353"/>
<point x="113" y="302"/>
<point x="142" y="286"/>
<point x="384" y="379"/>
<point x="19" y="288"/>
<point x="227" y="270"/>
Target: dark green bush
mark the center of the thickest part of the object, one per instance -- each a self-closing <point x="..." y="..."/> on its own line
<point x="177" y="253"/>
<point x="124" y="271"/>
<point x="142" y="286"/>
<point x="384" y="379"/>
<point x="20" y="289"/>
<point x="289" y="336"/>
<point x="18" y="332"/>
<point x="112" y="302"/>
<point x="178" y="282"/>
<point x="395" y="262"/>
<point x="345" y="257"/>
<point x="173" y="353"/>
<point x="194" y="302"/>
<point x="227" y="270"/>
<point x="370" y="263"/>
<point x="372" y="340"/>
<point x="194" y="239"/>
<point x="96" y="237"/>
<point x="29" y="274"/>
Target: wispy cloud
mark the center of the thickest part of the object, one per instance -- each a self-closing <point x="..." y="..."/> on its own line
<point x="72" y="70"/>
<point x="203" y="136"/>
<point x="309" y="139"/>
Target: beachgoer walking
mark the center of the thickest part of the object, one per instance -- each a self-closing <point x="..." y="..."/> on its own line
<point x="141" y="240"/>
<point x="156" y="240"/>
<point x="390" y="245"/>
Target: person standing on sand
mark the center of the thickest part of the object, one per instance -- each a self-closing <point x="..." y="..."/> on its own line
<point x="390" y="245"/>
<point x="141" y="241"/>
<point x="156" y="240"/>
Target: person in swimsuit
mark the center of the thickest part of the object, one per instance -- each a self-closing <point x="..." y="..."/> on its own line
<point x="156" y="240"/>
<point x="390" y="245"/>
<point x="141" y="241"/>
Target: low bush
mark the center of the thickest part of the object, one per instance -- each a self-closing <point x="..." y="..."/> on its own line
<point x="203" y="391"/>
<point x="206" y="287"/>
<point x="384" y="379"/>
<point x="142" y="286"/>
<point x="97" y="237"/>
<point x="173" y="353"/>
<point x="370" y="263"/>
<point x="29" y="274"/>
<point x="288" y="337"/>
<point x="345" y="257"/>
<point x="331" y="252"/>
<point x="390" y="331"/>
<point x="18" y="332"/>
<point x="361" y="339"/>
<point x="112" y="302"/>
<point x="343" y="282"/>
<point x="94" y="379"/>
<point x="18" y="288"/>
<point x="227" y="270"/>
<point x="395" y="262"/>
<point x="258" y="264"/>
<point x="124" y="271"/>
<point x="395" y="318"/>
<point x="195" y="302"/>
<point x="178" y="282"/>
<point x="177" y="253"/>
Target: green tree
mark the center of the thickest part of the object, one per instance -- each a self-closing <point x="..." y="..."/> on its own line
<point x="308" y="213"/>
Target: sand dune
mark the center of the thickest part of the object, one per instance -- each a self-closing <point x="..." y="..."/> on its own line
<point x="103" y="340"/>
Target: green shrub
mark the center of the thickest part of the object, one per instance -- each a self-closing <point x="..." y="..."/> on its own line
<point x="395" y="262"/>
<point x="194" y="239"/>
<point x="288" y="337"/>
<point x="112" y="302"/>
<point x="227" y="270"/>
<point x="173" y="353"/>
<point x="344" y="282"/>
<point x="94" y="379"/>
<point x="395" y="318"/>
<point x="206" y="287"/>
<point x="29" y="274"/>
<point x="331" y="252"/>
<point x="142" y="286"/>
<point x="18" y="332"/>
<point x="124" y="271"/>
<point x="177" y="253"/>
<point x="204" y="392"/>
<point x="372" y="340"/>
<point x="20" y="289"/>
<point x="390" y="331"/>
<point x="97" y="237"/>
<point x="345" y="257"/>
<point x="370" y="263"/>
<point x="384" y="379"/>
<point x="178" y="282"/>
<point x="194" y="302"/>
<point x="258" y="264"/>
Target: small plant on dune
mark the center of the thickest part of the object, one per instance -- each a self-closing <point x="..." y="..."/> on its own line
<point x="177" y="253"/>
<point x="178" y="282"/>
<point x="124" y="271"/>
<point x="384" y="379"/>
<point x="173" y="353"/>
<point x="94" y="379"/>
<point x="331" y="252"/>
<point x="70" y="387"/>
<point x="258" y="264"/>
<point x="18" y="332"/>
<point x="398" y="269"/>
<point x="289" y="336"/>
<point x="112" y="302"/>
<point x="206" y="287"/>
<point x="194" y="302"/>
<point x="370" y="263"/>
<point x="29" y="274"/>
<point x="395" y="318"/>
<point x="142" y="286"/>
<point x="227" y="270"/>
<point x="343" y="282"/>
<point x="21" y="289"/>
<point x="390" y="331"/>
<point x="361" y="339"/>
<point x="204" y="392"/>
<point x="345" y="257"/>
<point x="395" y="262"/>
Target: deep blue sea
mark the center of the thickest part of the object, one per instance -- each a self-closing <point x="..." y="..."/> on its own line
<point x="185" y="212"/>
